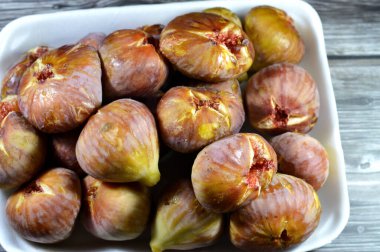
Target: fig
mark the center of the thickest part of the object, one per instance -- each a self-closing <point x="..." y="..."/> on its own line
<point x="64" y="150"/>
<point x="181" y="223"/>
<point x="120" y="144"/>
<point x="115" y="212"/>
<point x="45" y="210"/>
<point x="303" y="157"/>
<point x="22" y="148"/>
<point x="228" y="173"/>
<point x="274" y="37"/>
<point x="154" y="34"/>
<point x="189" y="118"/>
<point x="94" y="40"/>
<point x="206" y="47"/>
<point x="125" y="54"/>
<point x="225" y="13"/>
<point x="281" y="98"/>
<point x="12" y="78"/>
<point x="286" y="213"/>
<point x="61" y="89"/>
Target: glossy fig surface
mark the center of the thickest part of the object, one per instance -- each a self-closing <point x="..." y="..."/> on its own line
<point x="45" y="210"/>
<point x="132" y="65"/>
<point x="120" y="144"/>
<point x="113" y="211"/>
<point x="206" y="47"/>
<point x="189" y="118"/>
<point x="303" y="157"/>
<point x="225" y="13"/>
<point x="94" y="39"/>
<point x="274" y="37"/>
<point x="181" y="222"/>
<point x="286" y="213"/>
<point x="232" y="171"/>
<point x="282" y="97"/>
<point x="62" y="88"/>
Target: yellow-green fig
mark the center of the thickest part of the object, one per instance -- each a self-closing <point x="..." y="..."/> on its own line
<point x="115" y="211"/>
<point x="274" y="37"/>
<point x="181" y="222"/>
<point x="120" y="144"/>
<point x="225" y="13"/>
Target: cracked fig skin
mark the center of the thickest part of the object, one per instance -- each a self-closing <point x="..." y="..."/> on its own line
<point x="206" y="47"/>
<point x="189" y="118"/>
<point x="230" y="172"/>
<point x="286" y="213"/>
<point x="181" y="223"/>
<point x="282" y="97"/>
<point x="45" y="210"/>
<point x="115" y="212"/>
<point x="62" y="88"/>
<point x="120" y="144"/>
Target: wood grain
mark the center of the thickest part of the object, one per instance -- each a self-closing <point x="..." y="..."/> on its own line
<point x="352" y="34"/>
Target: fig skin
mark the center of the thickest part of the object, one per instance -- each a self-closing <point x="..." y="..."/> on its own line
<point x="303" y="157"/>
<point x="281" y="98"/>
<point x="12" y="78"/>
<point x="206" y="47"/>
<point x="286" y="213"/>
<point x="125" y="54"/>
<point x="228" y="173"/>
<point x="63" y="146"/>
<point x="225" y="13"/>
<point x="7" y="105"/>
<point x="115" y="212"/>
<point x="190" y="118"/>
<point x="45" y="210"/>
<point x="154" y="34"/>
<point x="61" y="89"/>
<point x="120" y="144"/>
<point x="22" y="148"/>
<point x="94" y="39"/>
<point x="181" y="223"/>
<point x="274" y="37"/>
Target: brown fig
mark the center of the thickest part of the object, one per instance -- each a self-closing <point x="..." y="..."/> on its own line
<point x="303" y="157"/>
<point x="120" y="144"/>
<point x="94" y="40"/>
<point x="45" y="210"/>
<point x="62" y="88"/>
<point x="12" y="78"/>
<point x="286" y="213"/>
<point x="189" y="118"/>
<point x="181" y="222"/>
<point x="282" y="97"/>
<point x="207" y="47"/>
<point x="228" y="173"/>
<point x="225" y="13"/>
<point x="274" y="37"/>
<point x="7" y="105"/>
<point x="125" y="54"/>
<point x="115" y="212"/>
<point x="154" y="33"/>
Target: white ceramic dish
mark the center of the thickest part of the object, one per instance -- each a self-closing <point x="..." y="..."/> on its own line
<point x="67" y="27"/>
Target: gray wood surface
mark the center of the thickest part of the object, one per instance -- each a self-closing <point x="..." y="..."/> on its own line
<point x="352" y="34"/>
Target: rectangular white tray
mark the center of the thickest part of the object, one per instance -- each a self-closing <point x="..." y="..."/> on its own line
<point x="67" y="27"/>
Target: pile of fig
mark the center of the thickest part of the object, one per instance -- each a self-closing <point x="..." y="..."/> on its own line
<point x="89" y="129"/>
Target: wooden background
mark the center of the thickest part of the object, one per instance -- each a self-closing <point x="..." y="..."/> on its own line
<point x="352" y="33"/>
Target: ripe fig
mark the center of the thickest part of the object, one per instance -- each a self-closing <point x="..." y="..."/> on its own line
<point x="274" y="37"/>
<point x="12" y="78"/>
<point x="286" y="213"/>
<point x="189" y="118"/>
<point x="225" y="13"/>
<point x="45" y="210"/>
<point x="154" y="33"/>
<point x="64" y="150"/>
<point x="303" y="157"/>
<point x="22" y="148"/>
<point x="207" y="47"/>
<point x="120" y="144"/>
<point x="181" y="222"/>
<point x="115" y="212"/>
<point x="62" y="88"/>
<point x="125" y="54"/>
<point x="282" y="97"/>
<point x="94" y="40"/>
<point x="228" y="173"/>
